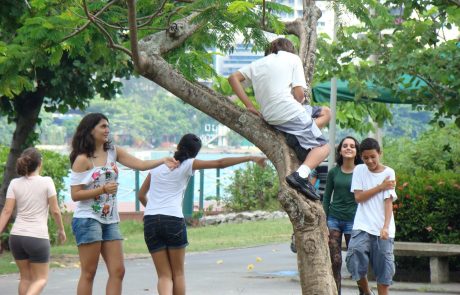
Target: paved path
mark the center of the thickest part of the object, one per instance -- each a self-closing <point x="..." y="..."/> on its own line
<point x="272" y="270"/>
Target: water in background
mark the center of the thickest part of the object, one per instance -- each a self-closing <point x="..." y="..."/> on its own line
<point x="126" y="178"/>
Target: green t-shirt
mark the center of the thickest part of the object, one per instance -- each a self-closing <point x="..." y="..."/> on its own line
<point x="343" y="205"/>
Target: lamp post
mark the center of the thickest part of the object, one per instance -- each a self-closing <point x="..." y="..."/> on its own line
<point x="333" y="104"/>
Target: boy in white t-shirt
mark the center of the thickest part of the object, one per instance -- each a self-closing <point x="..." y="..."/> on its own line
<point x="373" y="232"/>
<point x="279" y="82"/>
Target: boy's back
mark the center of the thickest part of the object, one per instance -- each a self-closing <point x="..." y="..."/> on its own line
<point x="370" y="214"/>
<point x="273" y="78"/>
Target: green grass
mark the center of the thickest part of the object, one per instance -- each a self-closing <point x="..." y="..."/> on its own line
<point x="207" y="238"/>
<point x="239" y="235"/>
<point x="7" y="264"/>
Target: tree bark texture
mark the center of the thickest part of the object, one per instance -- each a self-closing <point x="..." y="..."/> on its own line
<point x="27" y="109"/>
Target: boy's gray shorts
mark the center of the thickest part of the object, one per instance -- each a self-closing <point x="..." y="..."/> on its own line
<point x="304" y="128"/>
<point x="365" y="249"/>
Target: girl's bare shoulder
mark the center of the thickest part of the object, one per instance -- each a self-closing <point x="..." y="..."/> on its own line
<point x="82" y="163"/>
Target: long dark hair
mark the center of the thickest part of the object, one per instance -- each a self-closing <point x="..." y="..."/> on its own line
<point x="28" y="162"/>
<point x="338" y="156"/>
<point x="188" y="147"/>
<point x="83" y="141"/>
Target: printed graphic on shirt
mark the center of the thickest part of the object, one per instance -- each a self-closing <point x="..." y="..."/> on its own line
<point x="103" y="204"/>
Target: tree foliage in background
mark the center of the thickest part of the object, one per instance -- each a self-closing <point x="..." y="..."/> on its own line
<point x="437" y="150"/>
<point x="396" y="38"/>
<point x="148" y="119"/>
<point x="253" y="188"/>
<point x="40" y="68"/>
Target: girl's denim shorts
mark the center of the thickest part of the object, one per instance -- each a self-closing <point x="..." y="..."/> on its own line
<point x="89" y="230"/>
<point x="344" y="226"/>
<point x="164" y="232"/>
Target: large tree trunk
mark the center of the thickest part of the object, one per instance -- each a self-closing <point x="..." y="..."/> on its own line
<point x="27" y="108"/>
<point x="307" y="217"/>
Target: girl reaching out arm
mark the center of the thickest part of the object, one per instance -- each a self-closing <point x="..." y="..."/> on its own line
<point x="162" y="193"/>
<point x="204" y="164"/>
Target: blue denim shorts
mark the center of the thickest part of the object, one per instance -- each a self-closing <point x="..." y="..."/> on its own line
<point x="365" y="249"/>
<point x="164" y="232"/>
<point x="343" y="226"/>
<point x="89" y="230"/>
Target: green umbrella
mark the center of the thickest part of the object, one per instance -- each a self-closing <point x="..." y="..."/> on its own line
<point x="406" y="93"/>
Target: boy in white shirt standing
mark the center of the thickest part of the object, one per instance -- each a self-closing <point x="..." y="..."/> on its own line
<point x="372" y="238"/>
<point x="278" y="80"/>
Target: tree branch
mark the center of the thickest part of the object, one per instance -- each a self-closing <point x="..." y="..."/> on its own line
<point x="263" y="14"/>
<point x="104" y="31"/>
<point x="138" y="65"/>
<point x="150" y="17"/>
<point x="308" y="41"/>
<point x="82" y="28"/>
<point x="163" y="42"/>
<point x="225" y="111"/>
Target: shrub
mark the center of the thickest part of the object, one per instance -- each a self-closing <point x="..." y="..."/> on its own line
<point x="253" y="188"/>
<point x="428" y="208"/>
<point x="436" y="150"/>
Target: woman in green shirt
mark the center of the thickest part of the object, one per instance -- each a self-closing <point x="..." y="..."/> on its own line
<point x="339" y="203"/>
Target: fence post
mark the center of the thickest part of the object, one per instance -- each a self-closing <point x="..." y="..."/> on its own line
<point x="187" y="204"/>
<point x="218" y="183"/>
<point x="201" y="189"/>
<point x="136" y="189"/>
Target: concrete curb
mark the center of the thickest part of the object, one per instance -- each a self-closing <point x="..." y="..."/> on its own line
<point x="448" y="288"/>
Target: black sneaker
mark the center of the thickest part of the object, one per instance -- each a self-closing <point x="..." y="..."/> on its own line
<point x="302" y="185"/>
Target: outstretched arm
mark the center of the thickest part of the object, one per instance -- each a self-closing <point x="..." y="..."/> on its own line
<point x="235" y="80"/>
<point x="227" y="162"/>
<point x="134" y="163"/>
<point x="142" y="194"/>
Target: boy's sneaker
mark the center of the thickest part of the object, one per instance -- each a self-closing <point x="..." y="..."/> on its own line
<point x="302" y="185"/>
